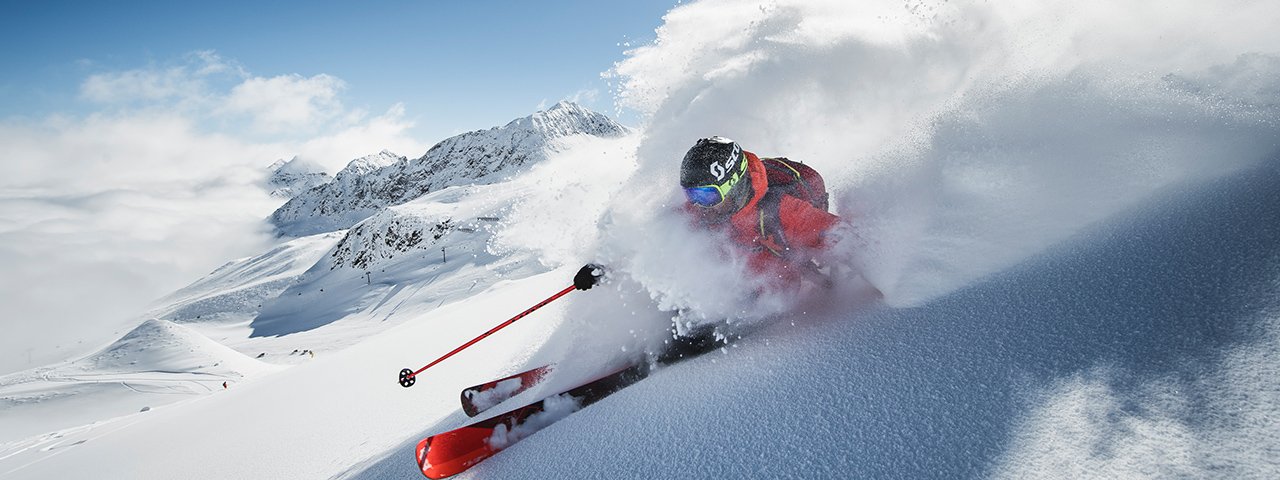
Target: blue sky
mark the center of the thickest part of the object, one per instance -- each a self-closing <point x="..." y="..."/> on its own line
<point x="455" y="66"/>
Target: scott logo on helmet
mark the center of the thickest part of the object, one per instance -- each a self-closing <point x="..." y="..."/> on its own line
<point x="719" y="170"/>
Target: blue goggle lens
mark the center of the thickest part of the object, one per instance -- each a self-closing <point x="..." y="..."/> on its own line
<point x="703" y="196"/>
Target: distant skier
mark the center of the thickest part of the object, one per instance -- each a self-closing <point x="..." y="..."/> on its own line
<point x="224" y="385"/>
<point x="773" y="209"/>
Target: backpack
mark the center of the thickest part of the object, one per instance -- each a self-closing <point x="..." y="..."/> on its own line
<point x="787" y="177"/>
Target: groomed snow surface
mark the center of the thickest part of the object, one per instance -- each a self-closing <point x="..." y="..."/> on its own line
<point x="1070" y="207"/>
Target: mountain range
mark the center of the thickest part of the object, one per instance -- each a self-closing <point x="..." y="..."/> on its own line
<point x="371" y="183"/>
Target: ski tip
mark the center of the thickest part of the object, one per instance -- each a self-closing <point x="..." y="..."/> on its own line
<point x="421" y="454"/>
<point x="450" y="453"/>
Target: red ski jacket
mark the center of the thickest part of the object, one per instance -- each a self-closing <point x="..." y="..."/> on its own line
<point x="779" y="233"/>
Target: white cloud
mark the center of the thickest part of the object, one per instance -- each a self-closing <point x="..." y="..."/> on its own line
<point x="287" y="102"/>
<point x="589" y="95"/>
<point x="103" y="214"/>
<point x="186" y="81"/>
<point x="339" y="147"/>
<point x="210" y="63"/>
<point x="133" y="85"/>
<point x="204" y="85"/>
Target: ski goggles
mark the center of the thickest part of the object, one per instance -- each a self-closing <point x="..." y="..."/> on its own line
<point x="712" y="195"/>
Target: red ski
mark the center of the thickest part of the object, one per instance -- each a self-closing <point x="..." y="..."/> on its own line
<point x="482" y="397"/>
<point x="450" y="453"/>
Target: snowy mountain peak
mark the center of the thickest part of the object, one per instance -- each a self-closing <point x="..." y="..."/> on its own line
<point x="523" y="137"/>
<point x="297" y="175"/>
<point x="369" y="163"/>
<point x="567" y="118"/>
<point x="371" y="183"/>
<point x="296" y="165"/>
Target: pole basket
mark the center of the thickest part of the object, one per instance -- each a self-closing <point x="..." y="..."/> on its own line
<point x="407" y="378"/>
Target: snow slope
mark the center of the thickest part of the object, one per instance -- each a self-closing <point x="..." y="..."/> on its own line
<point x="1070" y="207"/>
<point x="236" y="291"/>
<point x="1142" y="348"/>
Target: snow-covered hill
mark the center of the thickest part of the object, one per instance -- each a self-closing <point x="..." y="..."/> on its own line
<point x="166" y="347"/>
<point x="368" y="184"/>
<point x="157" y="363"/>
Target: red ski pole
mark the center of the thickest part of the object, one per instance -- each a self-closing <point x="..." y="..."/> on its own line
<point x="408" y="377"/>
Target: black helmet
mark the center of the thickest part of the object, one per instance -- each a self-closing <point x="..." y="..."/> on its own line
<point x="711" y="161"/>
<point x="715" y="169"/>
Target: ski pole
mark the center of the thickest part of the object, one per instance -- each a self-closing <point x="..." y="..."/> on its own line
<point x="408" y="377"/>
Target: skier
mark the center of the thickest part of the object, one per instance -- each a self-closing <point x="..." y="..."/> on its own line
<point x="773" y="212"/>
<point x="773" y="209"/>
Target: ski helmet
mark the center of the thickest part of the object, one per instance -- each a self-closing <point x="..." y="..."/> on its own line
<point x="714" y="170"/>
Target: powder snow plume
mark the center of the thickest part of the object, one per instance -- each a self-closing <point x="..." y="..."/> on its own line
<point x="959" y="138"/>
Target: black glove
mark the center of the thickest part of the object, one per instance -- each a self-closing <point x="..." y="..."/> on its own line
<point x="588" y="276"/>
